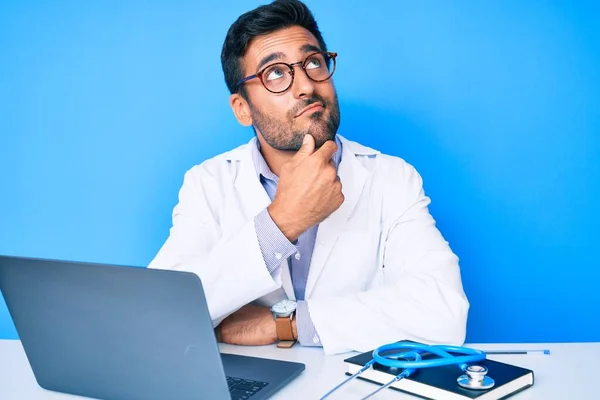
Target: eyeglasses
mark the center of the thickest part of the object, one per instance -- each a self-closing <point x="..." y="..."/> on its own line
<point x="278" y="77"/>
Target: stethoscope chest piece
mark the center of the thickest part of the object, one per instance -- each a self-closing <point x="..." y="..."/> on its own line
<point x="476" y="378"/>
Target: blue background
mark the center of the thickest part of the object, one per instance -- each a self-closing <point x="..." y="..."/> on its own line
<point x="105" y="105"/>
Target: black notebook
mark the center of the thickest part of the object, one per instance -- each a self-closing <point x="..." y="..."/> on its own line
<point x="440" y="383"/>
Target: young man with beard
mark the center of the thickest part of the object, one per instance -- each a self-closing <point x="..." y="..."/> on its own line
<point x="302" y="234"/>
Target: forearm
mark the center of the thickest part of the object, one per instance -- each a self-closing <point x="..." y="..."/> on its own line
<point x="275" y="246"/>
<point x="250" y="325"/>
<point x="421" y="307"/>
<point x="289" y="226"/>
<point x="233" y="264"/>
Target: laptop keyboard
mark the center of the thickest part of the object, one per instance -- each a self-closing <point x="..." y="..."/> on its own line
<point x="241" y="389"/>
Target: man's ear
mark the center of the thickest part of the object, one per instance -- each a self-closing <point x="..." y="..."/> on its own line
<point x="241" y="109"/>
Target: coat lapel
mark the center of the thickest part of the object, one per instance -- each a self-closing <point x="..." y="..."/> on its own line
<point x="353" y="177"/>
<point x="253" y="198"/>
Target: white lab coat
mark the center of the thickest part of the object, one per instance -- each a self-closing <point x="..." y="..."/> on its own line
<point x="380" y="271"/>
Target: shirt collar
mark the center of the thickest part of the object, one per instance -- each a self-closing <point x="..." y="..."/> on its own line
<point x="261" y="167"/>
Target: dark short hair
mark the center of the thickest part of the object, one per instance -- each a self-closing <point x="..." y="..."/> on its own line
<point x="266" y="19"/>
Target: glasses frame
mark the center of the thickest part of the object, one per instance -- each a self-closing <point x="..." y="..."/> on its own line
<point x="302" y="63"/>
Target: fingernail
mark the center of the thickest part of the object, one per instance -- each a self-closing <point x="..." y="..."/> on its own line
<point x="305" y="140"/>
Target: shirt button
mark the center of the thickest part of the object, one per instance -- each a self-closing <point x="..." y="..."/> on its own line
<point x="315" y="339"/>
<point x="297" y="256"/>
<point x="278" y="256"/>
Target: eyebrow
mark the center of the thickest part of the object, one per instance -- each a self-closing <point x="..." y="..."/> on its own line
<point x="307" y="48"/>
<point x="271" y="57"/>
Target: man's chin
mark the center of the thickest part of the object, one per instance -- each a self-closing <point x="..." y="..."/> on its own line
<point x="320" y="131"/>
<point x="321" y="138"/>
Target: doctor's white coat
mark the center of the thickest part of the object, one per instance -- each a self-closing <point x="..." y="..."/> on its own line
<point x="380" y="271"/>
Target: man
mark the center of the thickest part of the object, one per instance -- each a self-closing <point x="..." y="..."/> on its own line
<point x="301" y="233"/>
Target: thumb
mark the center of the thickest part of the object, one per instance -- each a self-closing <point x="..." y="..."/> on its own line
<point x="308" y="146"/>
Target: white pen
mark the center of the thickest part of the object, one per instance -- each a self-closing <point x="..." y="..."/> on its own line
<point x="517" y="351"/>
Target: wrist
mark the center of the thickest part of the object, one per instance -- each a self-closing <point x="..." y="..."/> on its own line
<point x="272" y="329"/>
<point x="284" y="314"/>
<point x="287" y="227"/>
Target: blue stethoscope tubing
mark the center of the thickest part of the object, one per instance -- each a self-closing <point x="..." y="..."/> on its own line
<point x="469" y="355"/>
<point x="413" y="360"/>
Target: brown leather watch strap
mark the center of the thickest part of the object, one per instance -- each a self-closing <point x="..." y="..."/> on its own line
<point x="284" y="328"/>
<point x="285" y="344"/>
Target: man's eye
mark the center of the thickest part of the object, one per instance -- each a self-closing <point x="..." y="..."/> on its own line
<point x="275" y="73"/>
<point x="313" y="63"/>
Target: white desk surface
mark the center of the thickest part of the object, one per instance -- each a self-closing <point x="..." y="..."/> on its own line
<point x="569" y="372"/>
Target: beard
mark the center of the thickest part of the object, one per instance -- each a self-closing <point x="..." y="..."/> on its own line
<point x="282" y="135"/>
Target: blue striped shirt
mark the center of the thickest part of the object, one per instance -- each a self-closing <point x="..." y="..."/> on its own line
<point x="276" y="247"/>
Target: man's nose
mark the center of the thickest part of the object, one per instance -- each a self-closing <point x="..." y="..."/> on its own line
<point x="302" y="86"/>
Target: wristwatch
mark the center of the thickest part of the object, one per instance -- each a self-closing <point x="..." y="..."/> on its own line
<point x="283" y="313"/>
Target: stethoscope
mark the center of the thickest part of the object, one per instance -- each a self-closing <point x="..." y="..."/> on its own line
<point x="395" y="355"/>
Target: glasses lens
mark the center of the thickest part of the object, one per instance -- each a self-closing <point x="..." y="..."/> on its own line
<point x="277" y="77"/>
<point x="319" y="66"/>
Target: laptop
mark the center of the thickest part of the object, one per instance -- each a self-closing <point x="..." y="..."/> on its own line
<point x="125" y="333"/>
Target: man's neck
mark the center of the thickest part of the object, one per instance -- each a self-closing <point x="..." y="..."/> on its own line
<point x="273" y="157"/>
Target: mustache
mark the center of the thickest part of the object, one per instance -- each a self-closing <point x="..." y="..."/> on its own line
<point x="315" y="98"/>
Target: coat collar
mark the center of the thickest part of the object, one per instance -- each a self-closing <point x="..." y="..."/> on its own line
<point x="244" y="152"/>
<point x="260" y="164"/>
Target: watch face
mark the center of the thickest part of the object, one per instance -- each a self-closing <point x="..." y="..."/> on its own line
<point x="284" y="306"/>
